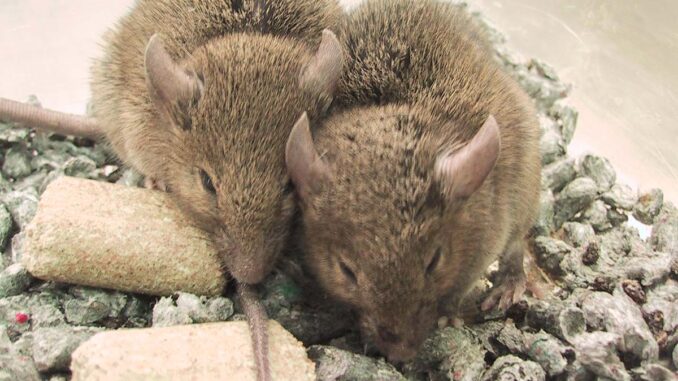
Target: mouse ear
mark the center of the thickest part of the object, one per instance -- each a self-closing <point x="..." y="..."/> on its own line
<point x="322" y="73"/>
<point x="305" y="167"/>
<point x="173" y="89"/>
<point x="462" y="172"/>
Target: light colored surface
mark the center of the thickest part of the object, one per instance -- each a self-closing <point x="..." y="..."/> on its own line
<point x="620" y="56"/>
<point x="98" y="234"/>
<point x="219" y="351"/>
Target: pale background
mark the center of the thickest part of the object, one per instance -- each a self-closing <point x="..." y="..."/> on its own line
<point x="621" y="56"/>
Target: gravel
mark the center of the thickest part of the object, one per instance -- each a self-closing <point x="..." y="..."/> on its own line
<point x="612" y="313"/>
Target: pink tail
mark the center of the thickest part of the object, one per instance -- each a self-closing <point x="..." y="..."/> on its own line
<point x="257" y="319"/>
<point x="53" y="121"/>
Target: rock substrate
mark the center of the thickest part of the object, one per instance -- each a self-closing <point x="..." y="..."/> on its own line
<point x="104" y="235"/>
<point x="216" y="351"/>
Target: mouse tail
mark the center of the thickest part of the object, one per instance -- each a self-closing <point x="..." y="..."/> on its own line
<point x="257" y="320"/>
<point x="48" y="120"/>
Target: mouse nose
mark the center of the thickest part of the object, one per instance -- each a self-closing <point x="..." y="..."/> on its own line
<point x="387" y="335"/>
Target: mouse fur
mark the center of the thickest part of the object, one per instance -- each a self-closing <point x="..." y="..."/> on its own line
<point x="427" y="171"/>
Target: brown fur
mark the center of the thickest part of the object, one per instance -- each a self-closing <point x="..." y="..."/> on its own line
<point x="420" y="81"/>
<point x="236" y="131"/>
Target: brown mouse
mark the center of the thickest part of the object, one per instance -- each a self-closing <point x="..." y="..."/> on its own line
<point x="200" y="96"/>
<point x="428" y="171"/>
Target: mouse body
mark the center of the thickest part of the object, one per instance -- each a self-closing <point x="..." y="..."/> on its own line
<point x="426" y="173"/>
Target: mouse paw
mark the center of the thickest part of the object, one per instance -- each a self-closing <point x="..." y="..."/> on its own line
<point x="155" y="184"/>
<point x="509" y="291"/>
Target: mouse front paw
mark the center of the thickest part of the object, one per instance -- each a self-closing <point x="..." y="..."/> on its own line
<point x="508" y="290"/>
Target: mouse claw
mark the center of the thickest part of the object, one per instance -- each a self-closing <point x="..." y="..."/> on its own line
<point x="155" y="184"/>
<point x="509" y="291"/>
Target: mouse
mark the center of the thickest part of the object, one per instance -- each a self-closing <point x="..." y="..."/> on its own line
<point x="426" y="172"/>
<point x="200" y="97"/>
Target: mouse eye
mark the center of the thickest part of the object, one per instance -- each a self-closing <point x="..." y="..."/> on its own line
<point x="433" y="264"/>
<point x="348" y="272"/>
<point x="207" y="182"/>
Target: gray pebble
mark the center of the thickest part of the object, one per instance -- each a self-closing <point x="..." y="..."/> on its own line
<point x="600" y="170"/>
<point x="557" y="175"/>
<point x="653" y="372"/>
<point x="14" y="280"/>
<point x="597" y="352"/>
<point x="194" y="307"/>
<point x="52" y="347"/>
<point x="665" y="230"/>
<point x="84" y="312"/>
<point x="456" y="352"/>
<point x="9" y="133"/>
<point x="616" y="217"/>
<point x="648" y="206"/>
<point x="166" y="313"/>
<point x="551" y="147"/>
<point x="17" y="163"/>
<point x="547" y="351"/>
<point x="220" y="308"/>
<point x="22" y="206"/>
<point x="620" y="196"/>
<point x="550" y="253"/>
<point x="512" y="368"/>
<point x="565" y="322"/>
<point x="544" y="223"/>
<point x="5" y="225"/>
<point x="575" y="197"/>
<point x="675" y="356"/>
<point x="578" y="234"/>
<point x="80" y="166"/>
<point x="335" y="364"/>
<point x="664" y="298"/>
<point x="619" y="314"/>
<point x="567" y="119"/>
<point x="14" y="367"/>
<point x="597" y="216"/>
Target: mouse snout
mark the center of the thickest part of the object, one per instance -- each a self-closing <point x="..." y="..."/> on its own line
<point x="246" y="264"/>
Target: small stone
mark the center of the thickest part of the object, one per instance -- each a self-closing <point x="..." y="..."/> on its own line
<point x="567" y="119"/>
<point x="616" y="217"/>
<point x="14" y="366"/>
<point x="512" y="338"/>
<point x="220" y="308"/>
<point x="621" y="197"/>
<point x="80" y="166"/>
<point x="634" y="290"/>
<point x="665" y="230"/>
<point x="600" y="170"/>
<point x="544" y="224"/>
<point x="648" y="206"/>
<point x="166" y="314"/>
<point x="558" y="174"/>
<point x="596" y="215"/>
<point x="14" y="280"/>
<point x="214" y="351"/>
<point x="578" y="234"/>
<point x="597" y="352"/>
<point x="17" y="163"/>
<point x="564" y="322"/>
<point x="550" y="252"/>
<point x="576" y="197"/>
<point x="52" y="347"/>
<point x="512" y="368"/>
<point x="84" y="312"/>
<point x="619" y="314"/>
<point x="662" y="300"/>
<point x="653" y="372"/>
<point x="336" y="364"/>
<point x="193" y="306"/>
<point x="452" y="351"/>
<point x="591" y="254"/>
<point x="551" y="147"/>
<point x="546" y="351"/>
<point x="22" y="206"/>
<point x="5" y="225"/>
<point x="675" y="356"/>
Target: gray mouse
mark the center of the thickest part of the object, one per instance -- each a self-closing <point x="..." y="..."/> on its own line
<point x="426" y="173"/>
<point x="200" y="96"/>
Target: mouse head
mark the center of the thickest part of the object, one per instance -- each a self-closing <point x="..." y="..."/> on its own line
<point x="226" y="113"/>
<point x="378" y="192"/>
